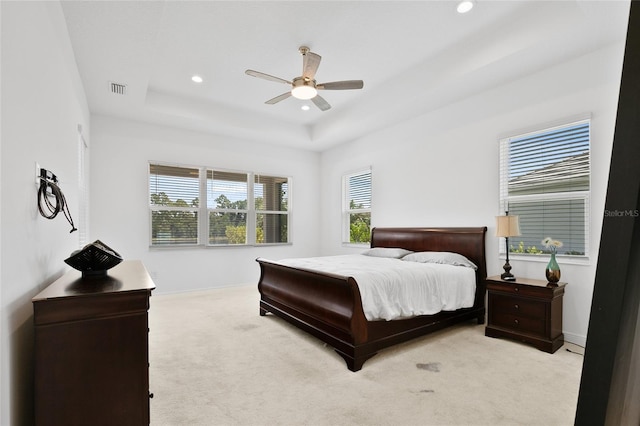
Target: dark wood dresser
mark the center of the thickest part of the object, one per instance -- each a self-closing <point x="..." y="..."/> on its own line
<point x="526" y="310"/>
<point x="92" y="350"/>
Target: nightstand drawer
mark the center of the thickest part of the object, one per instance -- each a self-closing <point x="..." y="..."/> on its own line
<point x="518" y="306"/>
<point x="521" y="290"/>
<point x="521" y="324"/>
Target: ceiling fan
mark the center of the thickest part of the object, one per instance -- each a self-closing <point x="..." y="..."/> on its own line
<point x="305" y="86"/>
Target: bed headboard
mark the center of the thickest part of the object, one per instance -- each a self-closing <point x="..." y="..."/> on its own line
<point x="469" y="242"/>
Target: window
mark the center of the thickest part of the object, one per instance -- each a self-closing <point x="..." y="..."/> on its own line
<point x="545" y="179"/>
<point x="242" y="208"/>
<point x="357" y="207"/>
<point x="227" y="197"/>
<point x="271" y="197"/>
<point x="174" y="194"/>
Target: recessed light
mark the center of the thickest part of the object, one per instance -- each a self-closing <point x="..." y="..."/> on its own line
<point x="196" y="79"/>
<point x="465" y="6"/>
<point x="305" y="107"/>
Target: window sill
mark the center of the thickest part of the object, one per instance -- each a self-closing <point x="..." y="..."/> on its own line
<point x="202" y="246"/>
<point x="544" y="258"/>
<point x="357" y="245"/>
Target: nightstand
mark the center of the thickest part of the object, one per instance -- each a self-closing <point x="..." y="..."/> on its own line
<point x="526" y="310"/>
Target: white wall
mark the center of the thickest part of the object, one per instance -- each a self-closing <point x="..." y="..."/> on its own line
<point x="441" y="169"/>
<point x="120" y="155"/>
<point x="42" y="104"/>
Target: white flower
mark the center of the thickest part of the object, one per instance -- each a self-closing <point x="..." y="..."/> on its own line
<point x="551" y="244"/>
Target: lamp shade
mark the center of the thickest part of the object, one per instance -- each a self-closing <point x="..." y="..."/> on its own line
<point x="507" y="226"/>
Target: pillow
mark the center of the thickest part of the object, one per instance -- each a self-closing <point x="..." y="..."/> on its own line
<point x="443" y="257"/>
<point x="395" y="253"/>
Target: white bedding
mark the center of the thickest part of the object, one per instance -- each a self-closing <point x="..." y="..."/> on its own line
<point x="394" y="289"/>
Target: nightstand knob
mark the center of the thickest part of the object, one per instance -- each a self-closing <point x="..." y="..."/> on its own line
<point x="516" y="321"/>
<point x="517" y="289"/>
<point x="516" y="306"/>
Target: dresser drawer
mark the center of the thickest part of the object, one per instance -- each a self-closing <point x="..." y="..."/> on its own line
<point x="520" y="324"/>
<point x="517" y="306"/>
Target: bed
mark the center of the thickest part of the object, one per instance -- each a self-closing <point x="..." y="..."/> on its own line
<point x="329" y="306"/>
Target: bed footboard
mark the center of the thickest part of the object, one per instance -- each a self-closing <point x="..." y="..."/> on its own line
<point x="327" y="306"/>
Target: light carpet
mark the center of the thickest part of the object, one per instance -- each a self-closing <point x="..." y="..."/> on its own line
<point x="215" y="361"/>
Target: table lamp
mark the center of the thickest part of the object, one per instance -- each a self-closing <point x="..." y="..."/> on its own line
<point x="507" y="226"/>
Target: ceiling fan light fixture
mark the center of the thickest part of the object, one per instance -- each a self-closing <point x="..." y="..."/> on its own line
<point x="304" y="92"/>
<point x="465" y="6"/>
<point x="303" y="88"/>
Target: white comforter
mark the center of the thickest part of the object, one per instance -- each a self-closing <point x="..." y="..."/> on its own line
<point x="393" y="288"/>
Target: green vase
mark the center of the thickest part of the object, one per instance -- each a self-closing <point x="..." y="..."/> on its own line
<point x="553" y="270"/>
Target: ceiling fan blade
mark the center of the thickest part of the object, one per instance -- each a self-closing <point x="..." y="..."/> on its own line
<point x="341" y="85"/>
<point x="264" y="76"/>
<point x="321" y="103"/>
<point x="310" y="64"/>
<point x="278" y="98"/>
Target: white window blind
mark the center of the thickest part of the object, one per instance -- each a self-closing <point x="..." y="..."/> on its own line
<point x="357" y="207"/>
<point x="545" y="179"/>
<point x="174" y="194"/>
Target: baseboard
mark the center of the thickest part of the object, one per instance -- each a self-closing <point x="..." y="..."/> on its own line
<point x="576" y="339"/>
<point x="157" y="292"/>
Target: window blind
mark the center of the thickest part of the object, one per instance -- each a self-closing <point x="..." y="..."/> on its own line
<point x="227" y="190"/>
<point x="563" y="220"/>
<point x="174" y="194"/>
<point x="549" y="162"/>
<point x="174" y="186"/>
<point x="545" y="179"/>
<point x="359" y="192"/>
<point x="357" y="207"/>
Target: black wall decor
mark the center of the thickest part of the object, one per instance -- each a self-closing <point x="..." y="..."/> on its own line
<point x="608" y="391"/>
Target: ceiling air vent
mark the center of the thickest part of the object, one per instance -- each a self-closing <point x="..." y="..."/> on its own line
<point x="117" y="88"/>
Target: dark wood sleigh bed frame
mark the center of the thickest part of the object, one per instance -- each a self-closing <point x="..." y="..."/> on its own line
<point x="329" y="306"/>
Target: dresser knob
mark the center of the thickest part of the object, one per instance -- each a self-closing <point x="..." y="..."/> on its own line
<point x="517" y="289"/>
<point x="516" y="321"/>
<point x="516" y="306"/>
